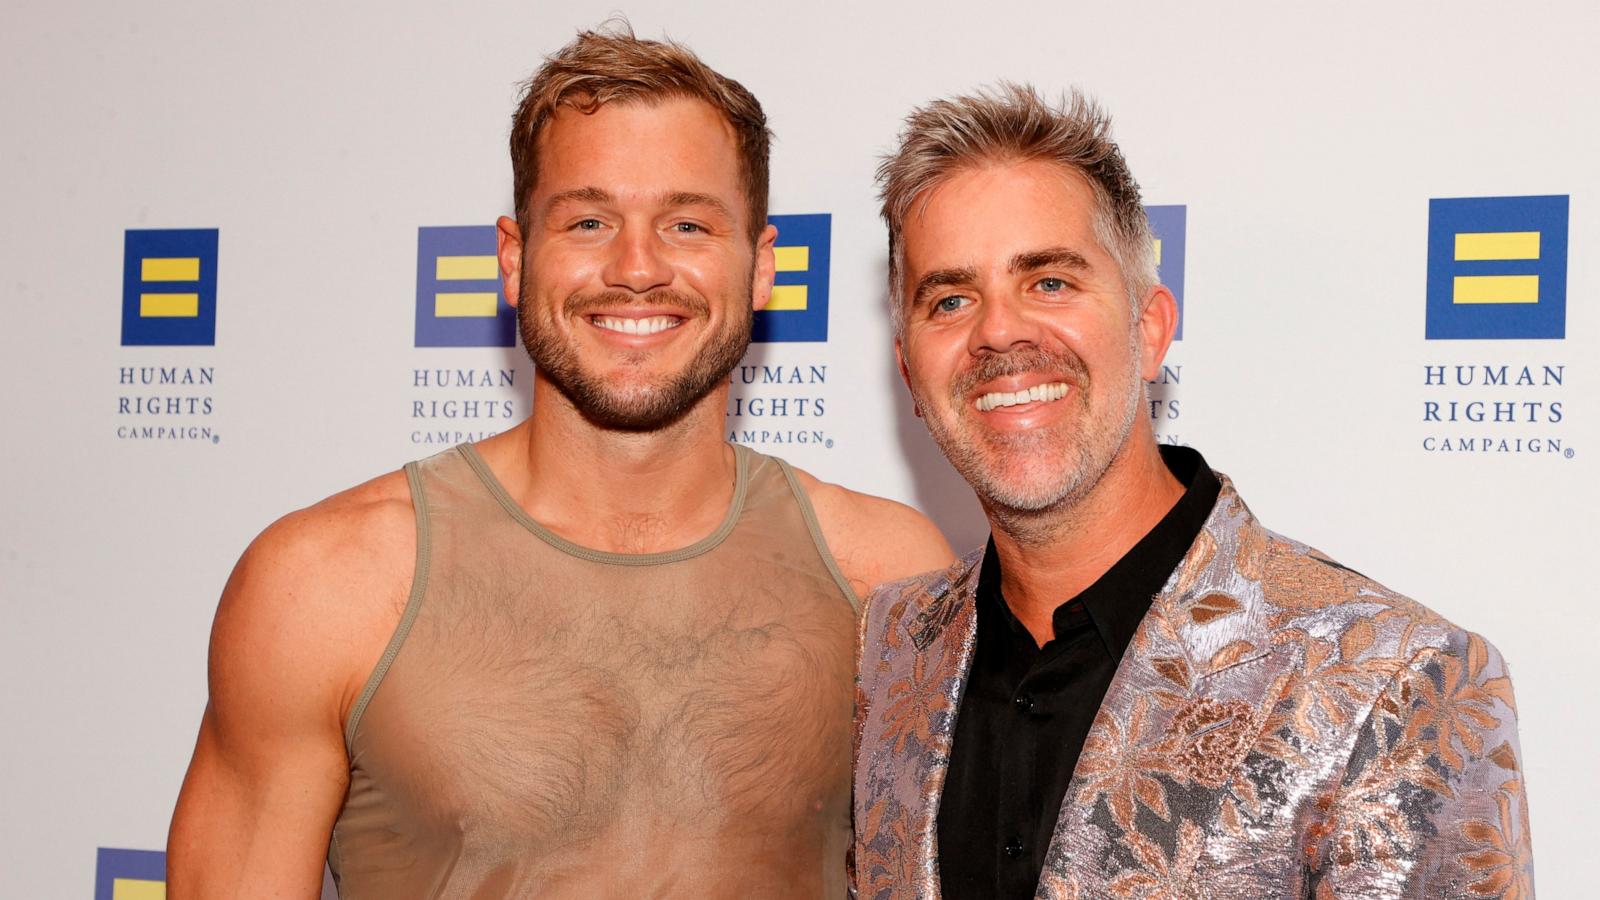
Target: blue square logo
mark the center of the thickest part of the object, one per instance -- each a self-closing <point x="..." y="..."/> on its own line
<point x="460" y="299"/>
<point x="130" y="875"/>
<point x="169" y="287"/>
<point x="1170" y="226"/>
<point x="1497" y="268"/>
<point x="798" y="310"/>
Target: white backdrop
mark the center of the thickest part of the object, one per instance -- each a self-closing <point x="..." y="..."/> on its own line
<point x="318" y="139"/>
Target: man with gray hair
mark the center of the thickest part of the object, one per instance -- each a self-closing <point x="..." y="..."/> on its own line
<point x="1134" y="690"/>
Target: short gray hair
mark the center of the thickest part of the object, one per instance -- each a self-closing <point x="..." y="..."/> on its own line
<point x="1012" y="123"/>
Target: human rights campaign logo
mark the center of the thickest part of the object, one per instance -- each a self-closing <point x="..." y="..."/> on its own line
<point x="1170" y="226"/>
<point x="460" y="299"/>
<point x="169" y="287"/>
<point x="130" y="875"/>
<point x="798" y="310"/>
<point x="1497" y="268"/>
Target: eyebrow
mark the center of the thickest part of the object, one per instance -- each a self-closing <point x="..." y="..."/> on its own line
<point x="672" y="198"/>
<point x="939" y="278"/>
<point x="1044" y="259"/>
<point x="693" y="198"/>
<point x="578" y="195"/>
<point x="1026" y="261"/>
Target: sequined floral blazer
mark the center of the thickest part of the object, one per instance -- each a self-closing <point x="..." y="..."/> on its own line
<point x="1280" y="726"/>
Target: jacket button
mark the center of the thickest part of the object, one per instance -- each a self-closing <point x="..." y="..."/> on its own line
<point x="1013" y="848"/>
<point x="1024" y="703"/>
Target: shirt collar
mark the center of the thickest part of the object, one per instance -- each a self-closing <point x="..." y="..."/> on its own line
<point x="1119" y="599"/>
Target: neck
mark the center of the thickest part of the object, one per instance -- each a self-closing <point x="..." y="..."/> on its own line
<point x="618" y="491"/>
<point x="1051" y="556"/>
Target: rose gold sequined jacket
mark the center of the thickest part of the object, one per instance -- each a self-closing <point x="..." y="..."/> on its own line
<point x="1280" y="726"/>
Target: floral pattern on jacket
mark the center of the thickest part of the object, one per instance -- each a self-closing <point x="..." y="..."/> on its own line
<point x="1280" y="726"/>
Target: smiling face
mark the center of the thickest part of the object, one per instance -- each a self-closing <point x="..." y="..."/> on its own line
<point x="1020" y="345"/>
<point x="636" y="279"/>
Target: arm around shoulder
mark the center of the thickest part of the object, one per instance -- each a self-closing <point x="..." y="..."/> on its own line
<point x="269" y="771"/>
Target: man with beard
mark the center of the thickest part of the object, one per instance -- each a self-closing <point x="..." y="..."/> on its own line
<point x="606" y="653"/>
<point x="1134" y="690"/>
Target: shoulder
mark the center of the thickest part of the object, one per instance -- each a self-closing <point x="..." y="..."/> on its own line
<point x="314" y="592"/>
<point x="1298" y="579"/>
<point x="874" y="539"/>
<point x="915" y="595"/>
<point x="1371" y="625"/>
<point x="921" y="604"/>
<point x="346" y="537"/>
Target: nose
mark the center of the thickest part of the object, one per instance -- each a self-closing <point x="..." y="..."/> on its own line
<point x="1000" y="327"/>
<point x="637" y="263"/>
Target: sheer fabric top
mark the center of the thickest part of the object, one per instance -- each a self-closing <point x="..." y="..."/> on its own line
<point x="551" y="720"/>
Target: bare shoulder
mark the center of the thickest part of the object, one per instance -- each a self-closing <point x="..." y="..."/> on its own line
<point x="302" y="620"/>
<point x="316" y="594"/>
<point x="874" y="539"/>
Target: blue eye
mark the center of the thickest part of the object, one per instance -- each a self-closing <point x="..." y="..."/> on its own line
<point x="1052" y="285"/>
<point x="587" y="224"/>
<point x="950" y="303"/>
<point x="687" y="227"/>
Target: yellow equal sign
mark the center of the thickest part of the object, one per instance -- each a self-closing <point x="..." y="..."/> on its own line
<point x="1496" y="289"/>
<point x="164" y="304"/>
<point x="138" y="889"/>
<point x="466" y="304"/>
<point x="790" y="296"/>
<point x="1496" y="246"/>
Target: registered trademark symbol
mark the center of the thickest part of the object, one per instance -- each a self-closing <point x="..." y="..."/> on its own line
<point x="829" y="444"/>
<point x="1569" y="453"/>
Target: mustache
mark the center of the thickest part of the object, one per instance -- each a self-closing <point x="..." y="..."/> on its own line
<point x="587" y="304"/>
<point x="1020" y="362"/>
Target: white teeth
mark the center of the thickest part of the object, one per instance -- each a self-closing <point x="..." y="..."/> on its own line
<point x="650" y="325"/>
<point x="1039" y="393"/>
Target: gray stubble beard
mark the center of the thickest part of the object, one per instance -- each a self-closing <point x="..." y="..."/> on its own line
<point x="1032" y="516"/>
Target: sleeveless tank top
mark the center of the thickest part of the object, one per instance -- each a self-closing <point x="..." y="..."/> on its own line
<point x="550" y="720"/>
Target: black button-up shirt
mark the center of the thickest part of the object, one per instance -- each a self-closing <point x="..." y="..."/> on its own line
<point x="1027" y="709"/>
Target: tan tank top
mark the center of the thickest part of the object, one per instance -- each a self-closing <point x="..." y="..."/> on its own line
<point x="553" y="721"/>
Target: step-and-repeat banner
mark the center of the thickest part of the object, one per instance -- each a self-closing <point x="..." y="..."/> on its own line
<point x="223" y="298"/>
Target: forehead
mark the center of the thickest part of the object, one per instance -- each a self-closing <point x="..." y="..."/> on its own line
<point x="982" y="217"/>
<point x="640" y="147"/>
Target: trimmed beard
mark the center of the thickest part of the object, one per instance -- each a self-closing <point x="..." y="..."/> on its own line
<point x="975" y="451"/>
<point x="648" y="407"/>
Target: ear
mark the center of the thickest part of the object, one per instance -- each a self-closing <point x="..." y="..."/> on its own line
<point x="508" y="240"/>
<point x="900" y="361"/>
<point x="765" y="268"/>
<point x="1158" y="320"/>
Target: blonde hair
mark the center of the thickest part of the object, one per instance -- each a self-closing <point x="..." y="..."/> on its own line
<point x="1012" y="123"/>
<point x="609" y="65"/>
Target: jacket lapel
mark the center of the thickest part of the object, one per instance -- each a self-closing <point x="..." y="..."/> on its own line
<point x="1193" y="694"/>
<point x="928" y="653"/>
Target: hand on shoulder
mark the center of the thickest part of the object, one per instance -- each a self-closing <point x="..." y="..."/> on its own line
<point x="873" y="539"/>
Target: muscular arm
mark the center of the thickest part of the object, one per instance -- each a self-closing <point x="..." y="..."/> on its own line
<point x="289" y="650"/>
<point x="872" y="539"/>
